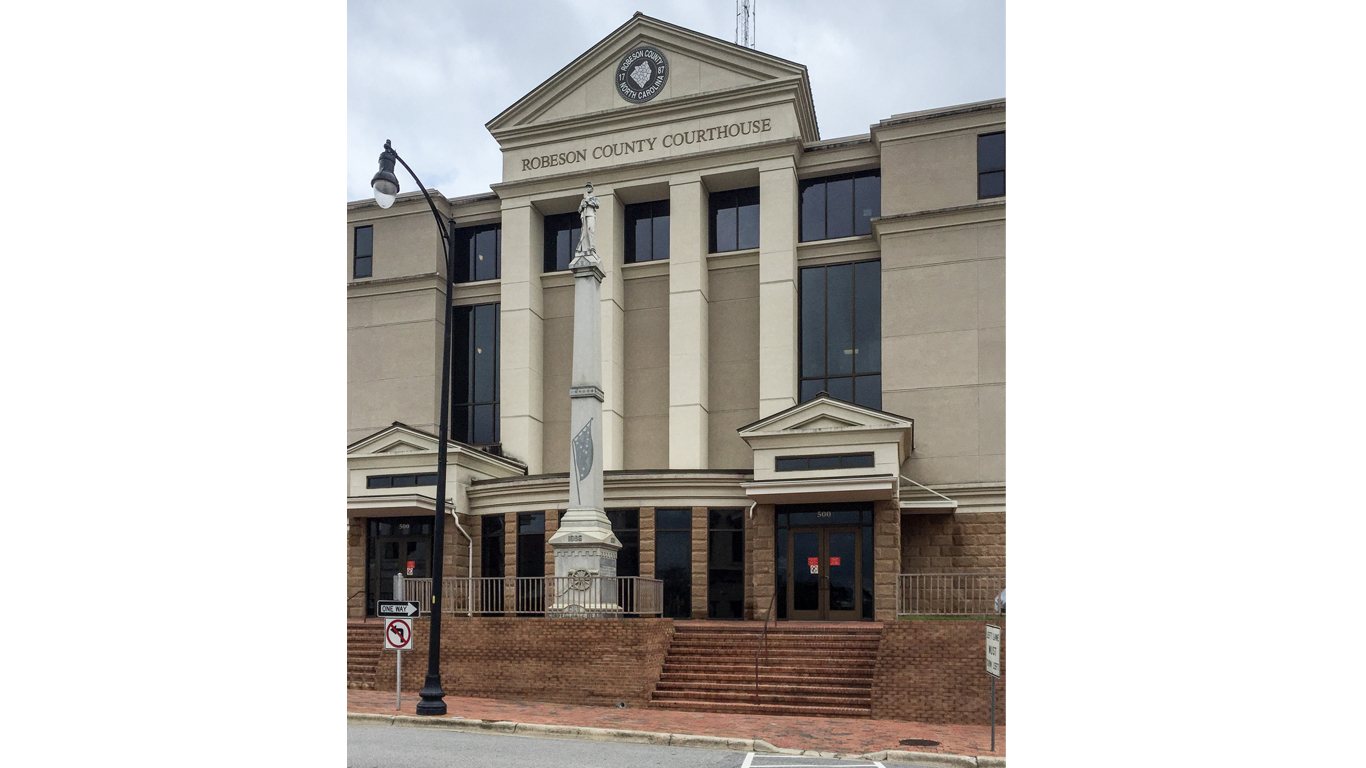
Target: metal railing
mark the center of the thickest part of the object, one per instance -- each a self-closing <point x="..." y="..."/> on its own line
<point x="763" y="645"/>
<point x="542" y="595"/>
<point x="948" y="594"/>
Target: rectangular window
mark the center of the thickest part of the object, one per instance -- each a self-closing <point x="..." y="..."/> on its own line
<point x="478" y="253"/>
<point x="831" y="461"/>
<point x="531" y="562"/>
<point x="474" y="374"/>
<point x="840" y="206"/>
<point x="647" y="232"/>
<point x="400" y="481"/>
<point x="626" y="526"/>
<point x="561" y="238"/>
<point x="841" y="333"/>
<point x="673" y="560"/>
<point x="734" y="220"/>
<point x="363" y="262"/>
<point x="991" y="165"/>
<point x="726" y="564"/>
<point x="491" y="545"/>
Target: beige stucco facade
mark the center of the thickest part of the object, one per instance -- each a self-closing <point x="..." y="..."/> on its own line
<point x="701" y="345"/>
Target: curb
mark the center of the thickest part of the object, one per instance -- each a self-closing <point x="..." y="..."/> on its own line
<point x="585" y="733"/>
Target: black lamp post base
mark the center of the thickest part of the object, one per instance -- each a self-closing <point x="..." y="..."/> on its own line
<point x="433" y="698"/>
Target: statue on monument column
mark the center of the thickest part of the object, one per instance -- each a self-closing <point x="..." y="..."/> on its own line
<point x="587" y="250"/>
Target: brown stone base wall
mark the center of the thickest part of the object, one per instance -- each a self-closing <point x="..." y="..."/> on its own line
<point x="567" y="661"/>
<point x="958" y="543"/>
<point x="355" y="567"/>
<point x="934" y="671"/>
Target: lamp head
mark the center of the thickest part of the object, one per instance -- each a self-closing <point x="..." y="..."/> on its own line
<point x="385" y="183"/>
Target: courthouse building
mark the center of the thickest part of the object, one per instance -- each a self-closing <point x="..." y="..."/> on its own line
<point x="803" y="341"/>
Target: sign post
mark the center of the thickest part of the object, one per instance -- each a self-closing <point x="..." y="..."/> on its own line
<point x="993" y="669"/>
<point x="398" y="636"/>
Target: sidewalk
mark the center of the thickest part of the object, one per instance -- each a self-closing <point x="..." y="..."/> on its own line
<point x="826" y="734"/>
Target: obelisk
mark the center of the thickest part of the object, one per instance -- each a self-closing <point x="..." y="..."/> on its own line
<point x="585" y="547"/>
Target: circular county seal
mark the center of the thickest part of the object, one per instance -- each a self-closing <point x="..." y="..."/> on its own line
<point x="641" y="74"/>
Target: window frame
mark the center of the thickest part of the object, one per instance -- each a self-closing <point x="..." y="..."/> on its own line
<point x="637" y="212"/>
<point x="463" y="375"/>
<point x="984" y="172"/>
<point x="732" y="200"/>
<point x="466" y="270"/>
<point x="551" y="227"/>
<point x="356" y="254"/>
<point x="804" y="235"/>
<point x="803" y="392"/>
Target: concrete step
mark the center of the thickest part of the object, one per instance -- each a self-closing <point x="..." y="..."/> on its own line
<point x="762" y="709"/>
<point x="773" y="660"/>
<point x="764" y="677"/>
<point x="785" y="688"/>
<point x="829" y="652"/>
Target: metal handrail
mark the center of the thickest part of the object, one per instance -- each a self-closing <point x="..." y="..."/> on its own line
<point x="948" y="594"/>
<point x="541" y="595"/>
<point x="763" y="644"/>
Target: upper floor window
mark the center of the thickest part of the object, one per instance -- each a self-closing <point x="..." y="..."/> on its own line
<point x="362" y="261"/>
<point x="840" y="206"/>
<point x="478" y="253"/>
<point x="991" y="165"/>
<point x="561" y="238"/>
<point x="841" y="333"/>
<point x="734" y="220"/>
<point x="474" y="374"/>
<point x="647" y="231"/>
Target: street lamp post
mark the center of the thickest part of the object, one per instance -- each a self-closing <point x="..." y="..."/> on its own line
<point x="385" y="185"/>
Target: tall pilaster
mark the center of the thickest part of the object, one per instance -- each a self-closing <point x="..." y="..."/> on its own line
<point x="778" y="287"/>
<point x="611" y="254"/>
<point x="520" y="360"/>
<point x="688" y="351"/>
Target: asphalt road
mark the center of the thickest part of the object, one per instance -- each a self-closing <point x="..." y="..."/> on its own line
<point x="395" y="747"/>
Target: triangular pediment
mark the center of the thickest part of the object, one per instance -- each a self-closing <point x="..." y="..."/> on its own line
<point x="698" y="65"/>
<point x="823" y="414"/>
<point x="395" y="439"/>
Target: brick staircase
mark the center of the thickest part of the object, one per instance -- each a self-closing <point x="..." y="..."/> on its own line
<point x="364" y="643"/>
<point x="810" y="668"/>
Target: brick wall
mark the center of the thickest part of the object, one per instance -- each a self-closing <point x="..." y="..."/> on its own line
<point x="699" y="562"/>
<point x="959" y="543"/>
<point x="934" y="671"/>
<point x="355" y="567"/>
<point x="568" y="661"/>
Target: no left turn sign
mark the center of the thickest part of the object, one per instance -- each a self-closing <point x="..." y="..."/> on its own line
<point x="398" y="634"/>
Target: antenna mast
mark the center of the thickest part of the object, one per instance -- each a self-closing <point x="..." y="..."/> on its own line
<point x="746" y="22"/>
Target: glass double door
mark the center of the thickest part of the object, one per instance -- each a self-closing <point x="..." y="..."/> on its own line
<point x="397" y="548"/>
<point x="825" y="574"/>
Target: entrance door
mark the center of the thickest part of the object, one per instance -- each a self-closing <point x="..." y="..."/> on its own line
<point x="825" y="574"/>
<point x="396" y="544"/>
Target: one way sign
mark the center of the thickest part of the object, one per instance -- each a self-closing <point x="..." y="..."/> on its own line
<point x="406" y="608"/>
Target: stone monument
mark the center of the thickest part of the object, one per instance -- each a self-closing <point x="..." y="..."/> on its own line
<point x="585" y="547"/>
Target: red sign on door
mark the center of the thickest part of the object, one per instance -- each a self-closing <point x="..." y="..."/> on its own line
<point x="813" y="561"/>
<point x="834" y="561"/>
<point x="411" y="565"/>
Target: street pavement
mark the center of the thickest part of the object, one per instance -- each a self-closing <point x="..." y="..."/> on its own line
<point x="389" y="747"/>
<point x="851" y="736"/>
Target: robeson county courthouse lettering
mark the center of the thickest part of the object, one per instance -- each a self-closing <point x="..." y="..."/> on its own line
<point x="668" y="140"/>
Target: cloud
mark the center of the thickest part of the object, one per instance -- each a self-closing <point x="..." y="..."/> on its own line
<point x="429" y="75"/>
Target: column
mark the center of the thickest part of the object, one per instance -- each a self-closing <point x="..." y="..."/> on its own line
<point x="778" y="283"/>
<point x="611" y="234"/>
<point x="552" y="524"/>
<point x="509" y="563"/>
<point x="761" y="557"/>
<point x="699" y="559"/>
<point x="647" y="542"/>
<point x="520" y="365"/>
<point x="886" y="558"/>
<point x="688" y="353"/>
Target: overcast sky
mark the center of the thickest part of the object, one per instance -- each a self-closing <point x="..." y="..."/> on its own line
<point x="429" y="74"/>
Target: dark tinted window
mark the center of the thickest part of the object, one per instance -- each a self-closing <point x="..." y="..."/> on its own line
<point x="841" y="332"/>
<point x="647" y="231"/>
<point x="365" y="252"/>
<point x="673" y="560"/>
<point x="478" y="253"/>
<point x="840" y="206"/>
<point x="829" y="461"/>
<point x="991" y="165"/>
<point x="474" y="374"/>
<point x="491" y="545"/>
<point x="400" y="481"/>
<point x="561" y="238"/>
<point x="626" y="526"/>
<point x="726" y="564"/>
<point x="531" y="544"/>
<point x="734" y="220"/>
